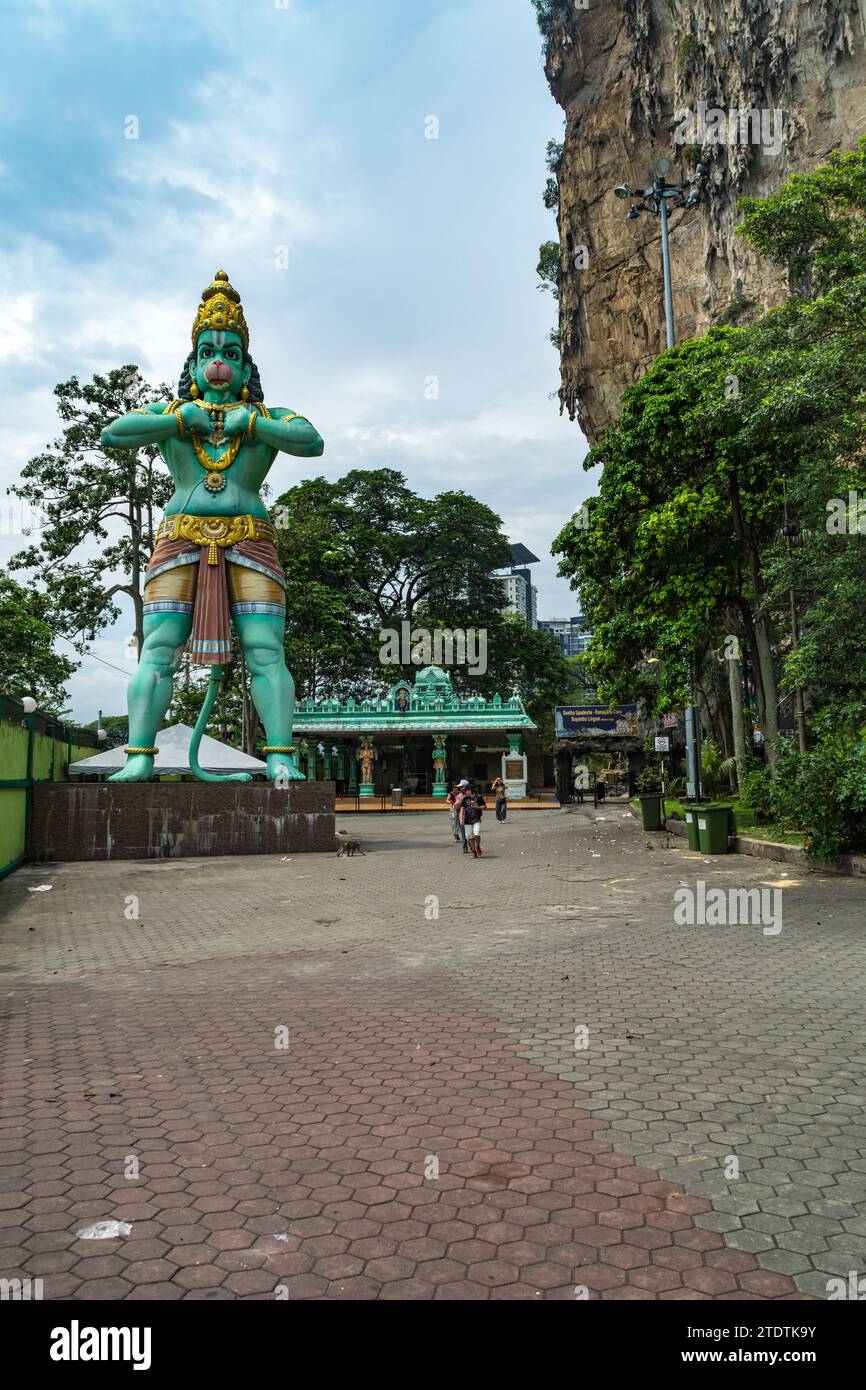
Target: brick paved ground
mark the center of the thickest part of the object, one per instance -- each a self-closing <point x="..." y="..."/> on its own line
<point x="417" y="1043"/>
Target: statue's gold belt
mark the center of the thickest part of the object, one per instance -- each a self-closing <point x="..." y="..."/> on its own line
<point x="215" y="531"/>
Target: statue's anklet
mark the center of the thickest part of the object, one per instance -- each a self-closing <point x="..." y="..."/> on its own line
<point x="277" y="748"/>
<point x="150" y="751"/>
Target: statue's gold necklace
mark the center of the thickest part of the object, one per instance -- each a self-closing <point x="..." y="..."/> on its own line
<point x="215" y="467"/>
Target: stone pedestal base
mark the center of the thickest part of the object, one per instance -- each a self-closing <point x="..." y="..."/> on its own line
<point x="514" y="769"/>
<point x="176" y="820"/>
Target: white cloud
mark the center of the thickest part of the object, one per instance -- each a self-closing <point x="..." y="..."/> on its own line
<point x="19" y="337"/>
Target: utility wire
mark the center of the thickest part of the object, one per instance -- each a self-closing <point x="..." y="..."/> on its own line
<point x="94" y="657"/>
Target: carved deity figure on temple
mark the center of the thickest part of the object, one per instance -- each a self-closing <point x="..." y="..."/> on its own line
<point x="366" y="757"/>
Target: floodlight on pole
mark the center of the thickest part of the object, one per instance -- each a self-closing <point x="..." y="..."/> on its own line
<point x="661" y="198"/>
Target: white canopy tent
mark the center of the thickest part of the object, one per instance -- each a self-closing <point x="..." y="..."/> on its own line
<point x="173" y="756"/>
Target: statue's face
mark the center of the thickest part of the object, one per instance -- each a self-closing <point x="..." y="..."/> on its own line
<point x="218" y="367"/>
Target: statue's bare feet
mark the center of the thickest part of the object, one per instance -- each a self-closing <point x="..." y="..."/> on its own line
<point x="139" y="768"/>
<point x="282" y="769"/>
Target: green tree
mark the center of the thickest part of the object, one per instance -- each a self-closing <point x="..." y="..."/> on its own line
<point x="551" y="188"/>
<point x="81" y="489"/>
<point x="814" y="224"/>
<point x="526" y="662"/>
<point x="116" y="728"/>
<point x="664" y="553"/>
<point x="548" y="267"/>
<point x="365" y="554"/>
<point x="28" y="662"/>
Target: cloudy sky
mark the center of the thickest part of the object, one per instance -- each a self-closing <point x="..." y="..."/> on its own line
<point x="298" y="137"/>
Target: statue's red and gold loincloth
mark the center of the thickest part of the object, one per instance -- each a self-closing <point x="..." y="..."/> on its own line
<point x="214" y="567"/>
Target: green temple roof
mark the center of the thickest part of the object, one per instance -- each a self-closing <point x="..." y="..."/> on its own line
<point x="427" y="706"/>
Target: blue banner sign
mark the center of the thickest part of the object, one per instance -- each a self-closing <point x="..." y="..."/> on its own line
<point x="572" y="720"/>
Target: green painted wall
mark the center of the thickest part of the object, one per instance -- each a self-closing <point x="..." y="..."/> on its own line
<point x="11" y="826"/>
<point x="13" y="765"/>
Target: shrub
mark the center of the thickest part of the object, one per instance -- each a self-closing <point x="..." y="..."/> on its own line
<point x="714" y="768"/>
<point x="686" y="50"/>
<point x="824" y="791"/>
<point x="650" y="779"/>
<point x="756" y="792"/>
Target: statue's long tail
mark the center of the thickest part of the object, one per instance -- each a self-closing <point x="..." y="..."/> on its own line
<point x="200" y="726"/>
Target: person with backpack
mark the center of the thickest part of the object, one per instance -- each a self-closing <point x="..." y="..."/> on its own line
<point x="471" y="811"/>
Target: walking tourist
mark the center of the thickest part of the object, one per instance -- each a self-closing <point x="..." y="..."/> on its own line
<point x="462" y="792"/>
<point x="501" y="793"/>
<point x="453" y="794"/>
<point x="471" y="812"/>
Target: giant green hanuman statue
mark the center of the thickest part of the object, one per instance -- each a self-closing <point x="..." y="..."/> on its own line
<point x="215" y="555"/>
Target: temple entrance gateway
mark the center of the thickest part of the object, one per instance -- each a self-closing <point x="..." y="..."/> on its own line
<point x="601" y="740"/>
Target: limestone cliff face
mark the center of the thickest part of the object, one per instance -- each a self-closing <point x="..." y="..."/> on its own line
<point x="623" y="70"/>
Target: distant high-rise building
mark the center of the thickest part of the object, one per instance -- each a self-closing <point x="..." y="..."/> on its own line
<point x="561" y="630"/>
<point x="573" y="634"/>
<point x="521" y="595"/>
<point x="580" y="635"/>
<point x="515" y="593"/>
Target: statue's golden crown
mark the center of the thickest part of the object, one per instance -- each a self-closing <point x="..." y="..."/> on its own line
<point x="221" y="310"/>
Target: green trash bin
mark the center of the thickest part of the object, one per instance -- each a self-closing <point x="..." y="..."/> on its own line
<point x="713" y="823"/>
<point x="651" y="810"/>
<point x="691" y="815"/>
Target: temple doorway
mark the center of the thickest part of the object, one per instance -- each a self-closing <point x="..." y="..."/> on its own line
<point x="407" y="764"/>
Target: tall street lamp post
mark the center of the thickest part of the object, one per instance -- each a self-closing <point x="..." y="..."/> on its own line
<point x="661" y="198"/>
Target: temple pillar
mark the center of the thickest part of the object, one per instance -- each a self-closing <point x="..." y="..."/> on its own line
<point x="353" y="770"/>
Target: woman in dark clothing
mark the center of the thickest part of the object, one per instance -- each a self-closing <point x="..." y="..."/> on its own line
<point x="501" y="793"/>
